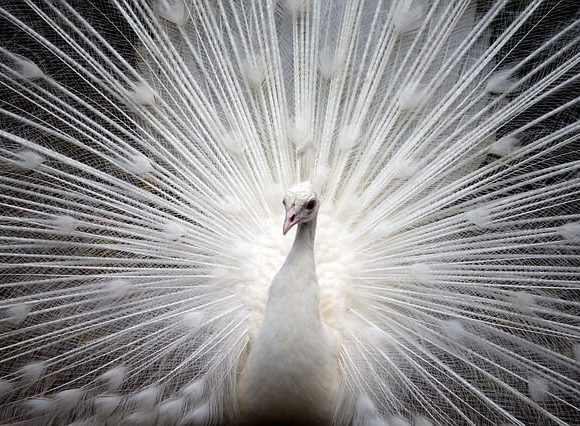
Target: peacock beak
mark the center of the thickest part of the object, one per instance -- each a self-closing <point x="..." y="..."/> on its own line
<point x="291" y="219"/>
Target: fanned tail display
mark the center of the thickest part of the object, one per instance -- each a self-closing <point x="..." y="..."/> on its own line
<point x="145" y="149"/>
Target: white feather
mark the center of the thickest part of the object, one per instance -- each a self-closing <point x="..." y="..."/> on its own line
<point x="25" y="68"/>
<point x="68" y="399"/>
<point x="105" y="405"/>
<point x="538" y="388"/>
<point x="145" y="148"/>
<point x="29" y="159"/>
<point x="114" y="377"/>
<point x="16" y="314"/>
<point x="500" y="82"/>
<point x="146" y="399"/>
<point x="5" y="387"/>
<point x="504" y="146"/>
<point x="172" y="10"/>
<point x="32" y="371"/>
<point x="193" y="392"/>
<point x="169" y="412"/>
<point x="39" y="406"/>
<point x="196" y="416"/>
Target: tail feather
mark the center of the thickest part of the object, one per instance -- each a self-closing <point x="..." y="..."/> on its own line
<point x="145" y="149"/>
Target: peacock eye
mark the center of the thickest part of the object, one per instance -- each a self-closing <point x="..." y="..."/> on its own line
<point x="311" y="204"/>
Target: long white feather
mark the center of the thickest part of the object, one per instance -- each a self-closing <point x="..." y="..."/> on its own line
<point x="144" y="152"/>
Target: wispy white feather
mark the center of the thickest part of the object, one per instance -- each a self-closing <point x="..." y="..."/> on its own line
<point x="144" y="151"/>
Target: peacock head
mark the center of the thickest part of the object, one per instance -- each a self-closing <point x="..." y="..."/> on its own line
<point x="301" y="204"/>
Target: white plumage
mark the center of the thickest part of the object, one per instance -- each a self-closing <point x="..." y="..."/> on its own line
<point x="291" y="374"/>
<point x="145" y="148"/>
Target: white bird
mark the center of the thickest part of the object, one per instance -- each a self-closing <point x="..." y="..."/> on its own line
<point x="145" y="146"/>
<point x="291" y="374"/>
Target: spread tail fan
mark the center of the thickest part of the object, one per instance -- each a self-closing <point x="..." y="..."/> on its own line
<point x="145" y="148"/>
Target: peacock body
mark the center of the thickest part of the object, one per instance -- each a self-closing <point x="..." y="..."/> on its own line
<point x="145" y="150"/>
<point x="290" y="375"/>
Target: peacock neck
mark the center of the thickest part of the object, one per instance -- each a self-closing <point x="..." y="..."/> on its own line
<point x="299" y="270"/>
<point x="291" y="347"/>
<point x="304" y="239"/>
